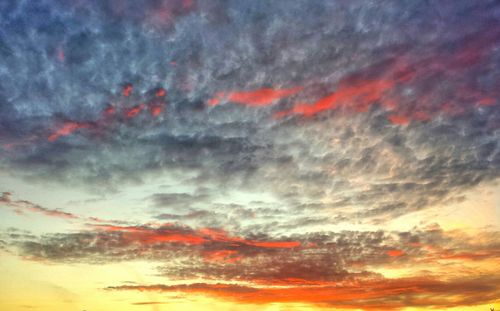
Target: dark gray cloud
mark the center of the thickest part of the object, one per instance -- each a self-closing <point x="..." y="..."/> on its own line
<point x="63" y="65"/>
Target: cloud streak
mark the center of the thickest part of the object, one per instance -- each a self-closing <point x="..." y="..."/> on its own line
<point x="22" y="206"/>
<point x="390" y="294"/>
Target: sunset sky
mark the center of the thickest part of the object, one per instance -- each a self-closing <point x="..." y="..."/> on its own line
<point x="249" y="155"/>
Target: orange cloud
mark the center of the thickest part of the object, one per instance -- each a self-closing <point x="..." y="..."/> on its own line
<point x="375" y="294"/>
<point x="395" y="253"/>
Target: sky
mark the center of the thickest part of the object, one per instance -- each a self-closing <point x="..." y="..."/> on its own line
<point x="249" y="155"/>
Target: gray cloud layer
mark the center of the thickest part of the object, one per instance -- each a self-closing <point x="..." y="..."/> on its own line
<point x="67" y="63"/>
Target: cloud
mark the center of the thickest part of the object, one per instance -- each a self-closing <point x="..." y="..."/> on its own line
<point x="390" y="294"/>
<point x="381" y="111"/>
<point x="67" y="129"/>
<point x="22" y="206"/>
<point x="395" y="124"/>
<point x="307" y="259"/>
<point x="383" y="82"/>
<point x="172" y="233"/>
<point x="178" y="200"/>
<point x="331" y="112"/>
<point x="305" y="268"/>
<point x="108" y="242"/>
<point x="261" y="97"/>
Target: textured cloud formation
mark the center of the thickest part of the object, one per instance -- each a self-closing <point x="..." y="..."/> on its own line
<point x="123" y="90"/>
<point x="325" y="268"/>
<point x="328" y="269"/>
<point x="329" y="112"/>
<point x="303" y="259"/>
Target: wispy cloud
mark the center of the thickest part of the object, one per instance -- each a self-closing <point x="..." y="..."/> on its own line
<point x="22" y="206"/>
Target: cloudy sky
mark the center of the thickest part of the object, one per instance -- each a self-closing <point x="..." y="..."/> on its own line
<point x="249" y="155"/>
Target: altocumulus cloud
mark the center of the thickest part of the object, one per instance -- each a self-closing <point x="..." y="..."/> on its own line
<point x="340" y="111"/>
<point x="377" y="120"/>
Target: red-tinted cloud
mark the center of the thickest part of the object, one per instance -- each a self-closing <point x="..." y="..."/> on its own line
<point x="382" y="84"/>
<point x="166" y="234"/>
<point x="127" y="90"/>
<point x="260" y="97"/>
<point x="399" y="120"/>
<point x="175" y="234"/>
<point x="222" y="236"/>
<point x="161" y="92"/>
<point x="108" y="116"/>
<point x="359" y="96"/>
<point x="68" y="128"/>
<point x="134" y="111"/>
<point x="155" y="109"/>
